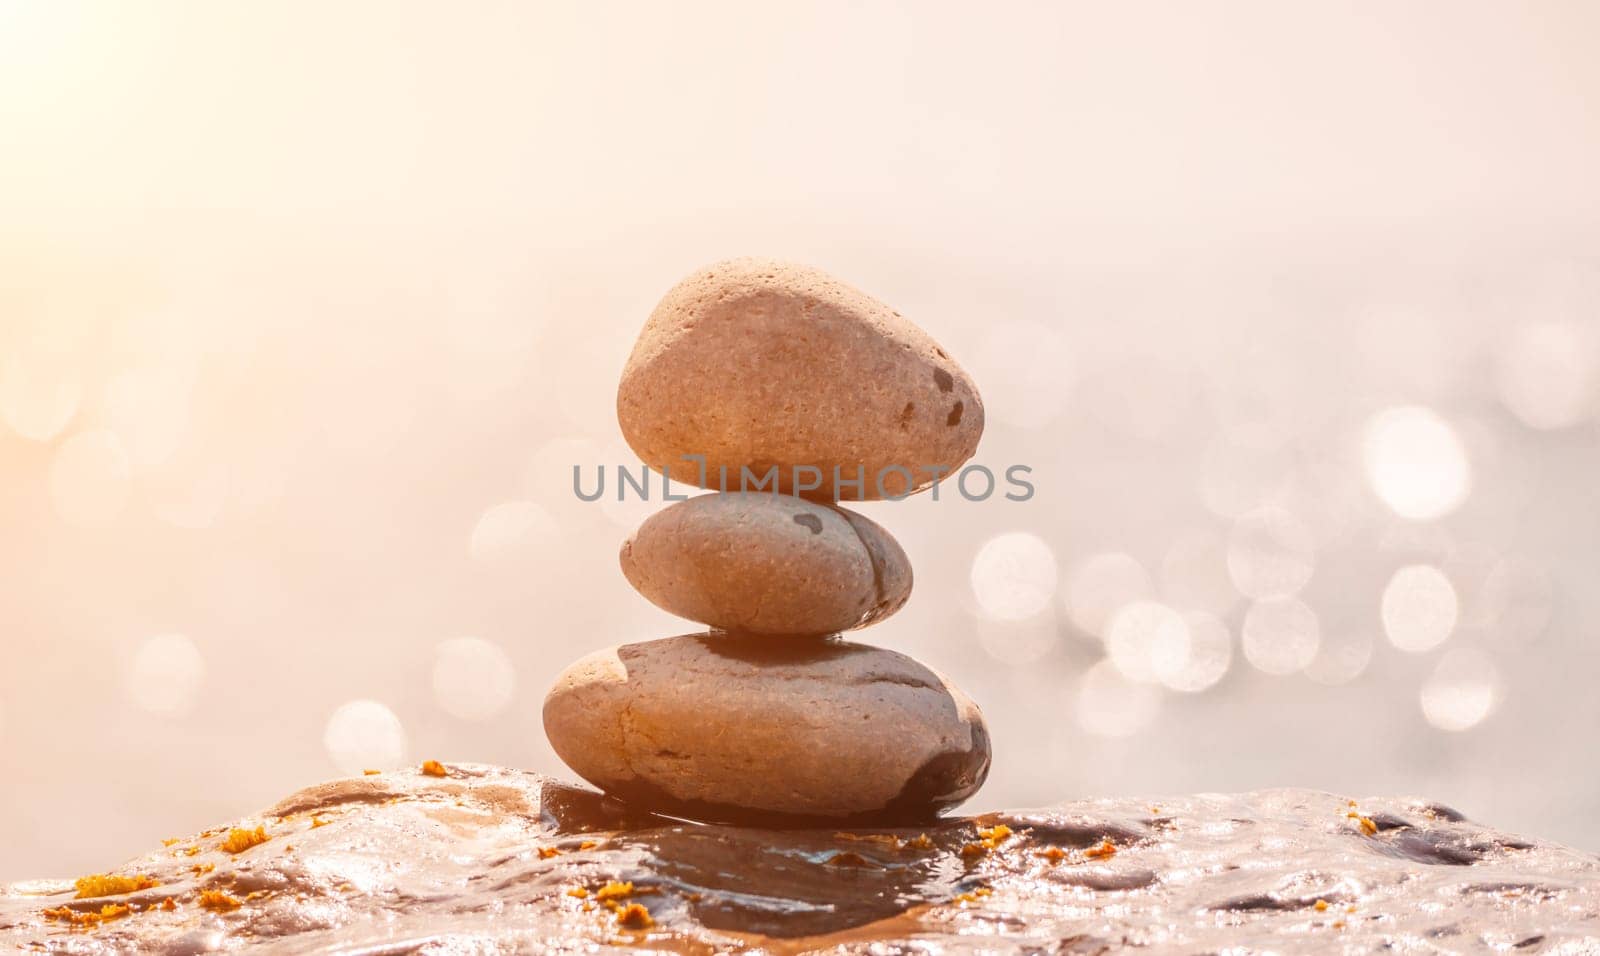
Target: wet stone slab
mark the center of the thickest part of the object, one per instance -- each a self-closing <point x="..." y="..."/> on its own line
<point x="484" y="859"/>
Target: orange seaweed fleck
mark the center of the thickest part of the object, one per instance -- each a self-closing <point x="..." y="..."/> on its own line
<point x="90" y="918"/>
<point x="106" y="884"/>
<point x="634" y="916"/>
<point x="240" y="840"/>
<point x="887" y="839"/>
<point x="219" y="901"/>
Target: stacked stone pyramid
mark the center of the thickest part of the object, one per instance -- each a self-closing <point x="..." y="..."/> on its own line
<point x="786" y="391"/>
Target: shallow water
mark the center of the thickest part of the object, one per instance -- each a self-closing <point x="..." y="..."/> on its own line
<point x="500" y="861"/>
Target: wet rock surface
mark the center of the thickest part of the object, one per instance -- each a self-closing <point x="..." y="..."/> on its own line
<point x="484" y="859"/>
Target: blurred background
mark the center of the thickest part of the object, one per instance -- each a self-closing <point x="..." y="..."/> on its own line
<point x="307" y="311"/>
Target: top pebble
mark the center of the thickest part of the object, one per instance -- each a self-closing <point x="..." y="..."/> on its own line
<point x="784" y="378"/>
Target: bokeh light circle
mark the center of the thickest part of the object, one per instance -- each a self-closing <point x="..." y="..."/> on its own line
<point x="165" y="675"/>
<point x="1210" y="654"/>
<point x="364" y="735"/>
<point x="1416" y="463"/>
<point x="1341" y="658"/>
<point x="1148" y="642"/>
<point x="1419" y="608"/>
<point x="1280" y="635"/>
<point x="1110" y="705"/>
<point x="1545" y="374"/>
<point x="1014" y="576"/>
<point x="473" y="679"/>
<point x="1462" y="691"/>
<point x="1099" y="586"/>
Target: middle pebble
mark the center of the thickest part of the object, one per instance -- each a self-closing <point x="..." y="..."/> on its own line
<point x="766" y="563"/>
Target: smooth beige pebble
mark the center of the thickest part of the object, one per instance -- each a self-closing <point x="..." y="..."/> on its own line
<point x="764" y="365"/>
<point x="767" y="564"/>
<point x="755" y="730"/>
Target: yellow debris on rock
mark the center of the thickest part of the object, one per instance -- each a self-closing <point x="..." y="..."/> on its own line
<point x="106" y="884"/>
<point x="240" y="840"/>
<point x="219" y="901"/>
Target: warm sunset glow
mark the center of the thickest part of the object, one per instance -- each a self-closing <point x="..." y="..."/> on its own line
<point x="308" y="311"/>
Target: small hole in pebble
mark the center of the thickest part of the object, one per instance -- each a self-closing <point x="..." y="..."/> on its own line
<point x="942" y="379"/>
<point x="905" y="415"/>
<point x="940" y="352"/>
<point x="809" y="521"/>
<point x="955" y="416"/>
